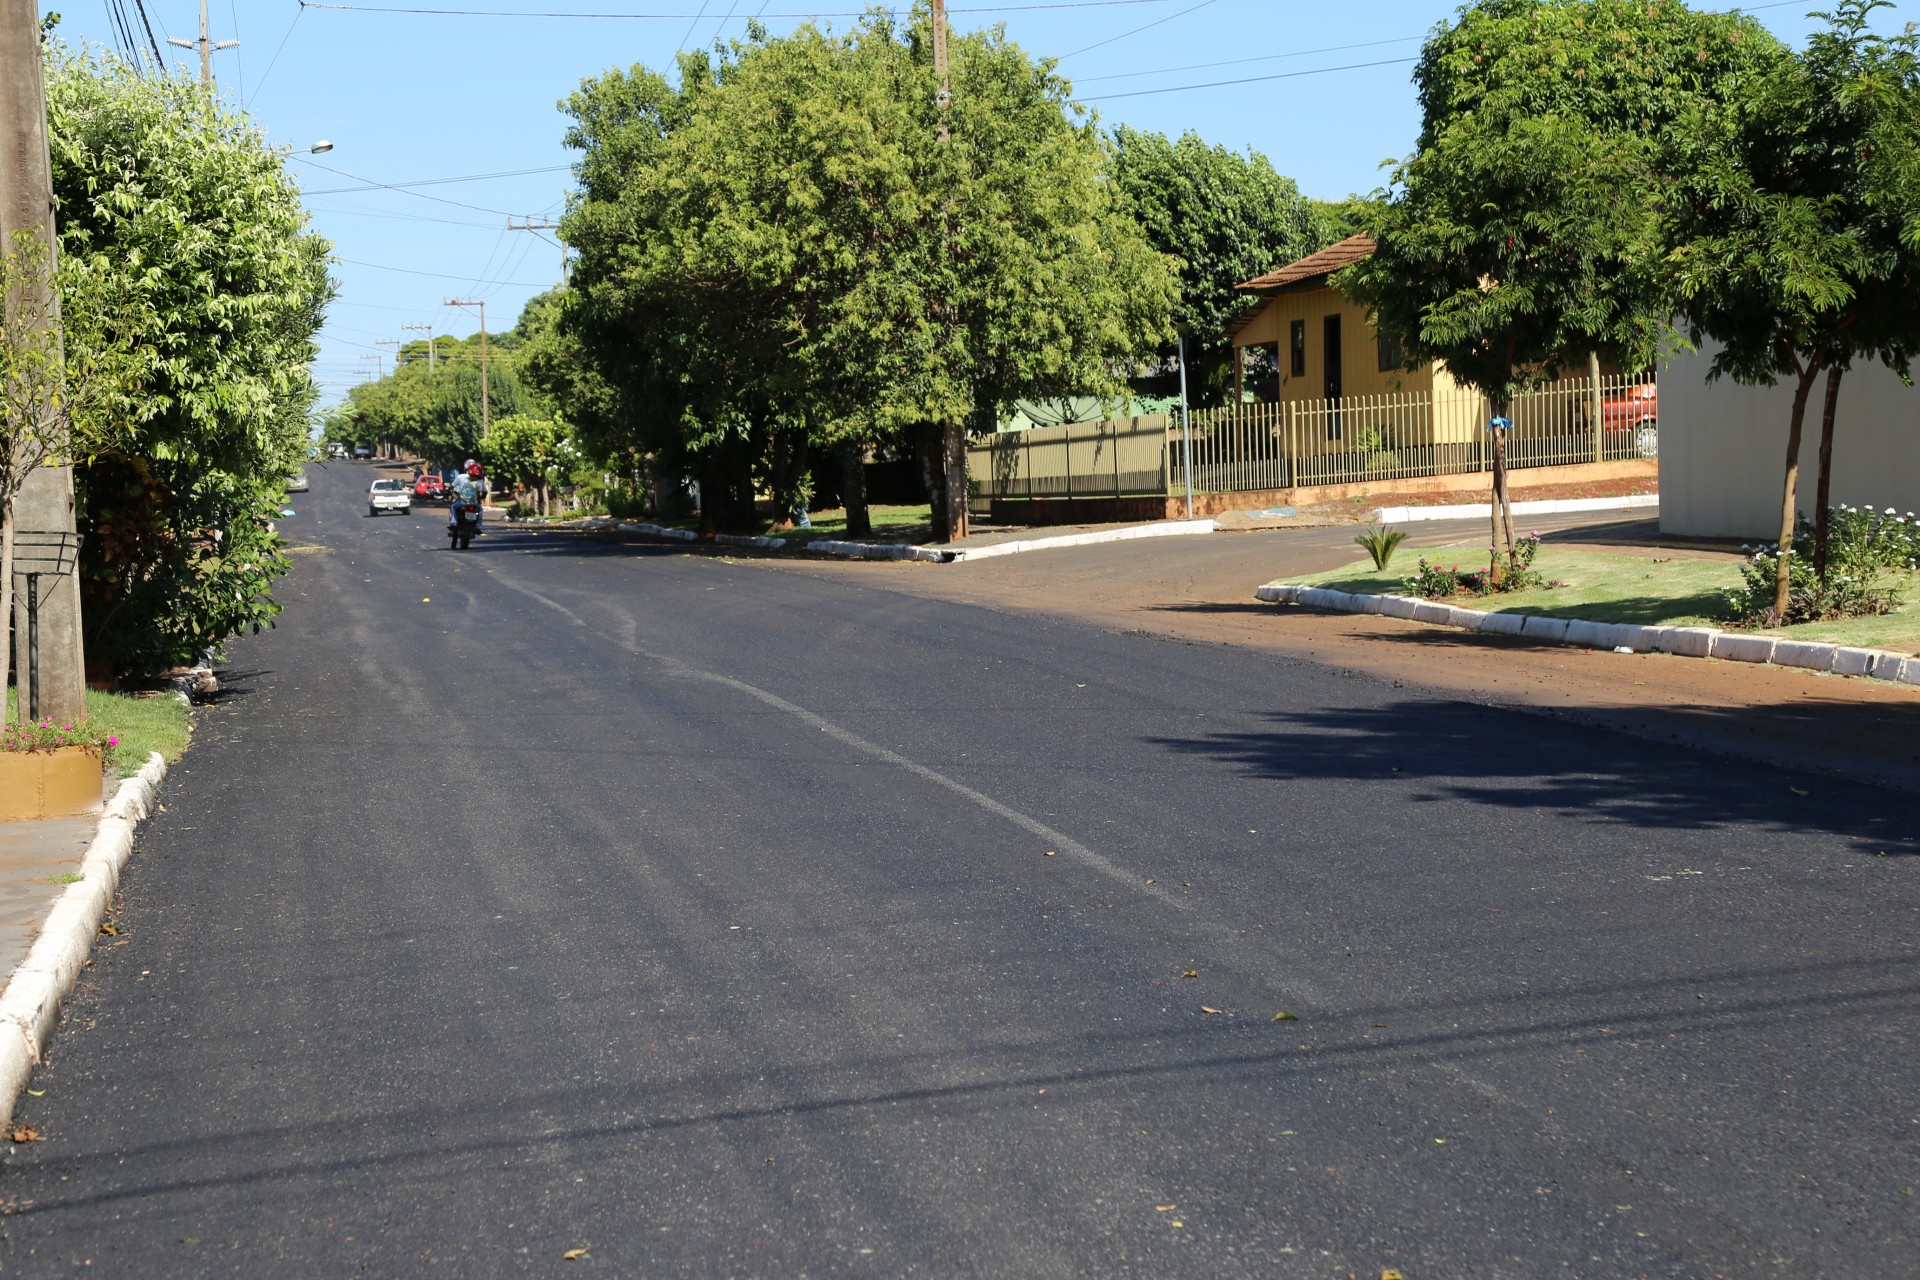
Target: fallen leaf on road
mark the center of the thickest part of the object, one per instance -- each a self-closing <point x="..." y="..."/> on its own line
<point x="426" y="599"/>
<point x="37" y="1093"/>
<point x="1379" y="1025"/>
<point x="1284" y="1016"/>
<point x="1207" y="1008"/>
<point x="1189" y="973"/>
<point x="1390" y="1274"/>
<point x="1165" y="1208"/>
<point x="1049" y="853"/>
<point x="574" y="1255"/>
<point x="1177" y="1223"/>
<point x="1153" y="882"/>
<point x="1797" y="791"/>
<point x="24" y="1133"/>
<point x="109" y="928"/>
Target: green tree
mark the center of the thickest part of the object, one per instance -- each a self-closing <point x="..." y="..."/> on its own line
<point x="67" y="370"/>
<point x="190" y="212"/>
<point x="1796" y="236"/>
<point x="782" y="254"/>
<point x="1227" y="218"/>
<point x="1522" y="233"/>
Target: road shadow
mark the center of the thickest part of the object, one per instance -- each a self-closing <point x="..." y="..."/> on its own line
<point x="1458" y="751"/>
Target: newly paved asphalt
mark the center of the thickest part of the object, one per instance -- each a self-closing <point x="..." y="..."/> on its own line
<point x="726" y="921"/>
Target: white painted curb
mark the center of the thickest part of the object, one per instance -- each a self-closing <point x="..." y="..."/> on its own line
<point x="1686" y="642"/>
<point x="902" y="551"/>
<point x="32" y="999"/>
<point x="1160" y="529"/>
<point x="1541" y="507"/>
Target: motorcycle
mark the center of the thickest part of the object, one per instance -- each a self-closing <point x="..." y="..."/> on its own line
<point x="466" y="523"/>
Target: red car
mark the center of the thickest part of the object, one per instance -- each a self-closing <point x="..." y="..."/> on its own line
<point x="1637" y="409"/>
<point x="428" y="487"/>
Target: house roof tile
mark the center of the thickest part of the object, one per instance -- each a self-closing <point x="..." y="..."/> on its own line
<point x="1313" y="266"/>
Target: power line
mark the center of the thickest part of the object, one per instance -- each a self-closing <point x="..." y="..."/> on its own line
<point x="440" y="182"/>
<point x="675" y="17"/>
<point x="417" y="195"/>
<point x="1265" y="57"/>
<point x="1278" y="75"/>
<point x="274" y="61"/>
<point x="438" y="275"/>
<point x="1101" y="44"/>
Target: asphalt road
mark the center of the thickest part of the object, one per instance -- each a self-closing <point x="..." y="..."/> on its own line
<point x="724" y="921"/>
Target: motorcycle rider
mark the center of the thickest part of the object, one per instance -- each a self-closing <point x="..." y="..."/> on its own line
<point x="467" y="491"/>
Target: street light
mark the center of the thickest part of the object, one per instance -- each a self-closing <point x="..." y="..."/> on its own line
<point x="320" y="148"/>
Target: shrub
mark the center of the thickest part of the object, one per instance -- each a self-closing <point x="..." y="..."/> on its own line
<point x="1380" y="542"/>
<point x="46" y="735"/>
<point x="1435" y="583"/>
<point x="1847" y="593"/>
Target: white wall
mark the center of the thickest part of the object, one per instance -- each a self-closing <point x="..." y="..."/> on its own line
<point x="1723" y="448"/>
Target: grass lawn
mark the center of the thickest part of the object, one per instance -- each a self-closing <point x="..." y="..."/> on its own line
<point x="158" y="722"/>
<point x="833" y="524"/>
<point x="1616" y="587"/>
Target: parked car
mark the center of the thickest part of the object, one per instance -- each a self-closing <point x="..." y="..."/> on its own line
<point x="429" y="487"/>
<point x="389" y="495"/>
<point x="297" y="482"/>
<point x="1636" y="410"/>
<point x="336" y="451"/>
<point x="361" y="452"/>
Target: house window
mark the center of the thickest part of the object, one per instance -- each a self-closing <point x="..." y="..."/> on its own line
<point x="1297" y="361"/>
<point x="1389" y="353"/>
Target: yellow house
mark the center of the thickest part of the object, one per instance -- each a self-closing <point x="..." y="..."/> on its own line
<point x="1327" y="352"/>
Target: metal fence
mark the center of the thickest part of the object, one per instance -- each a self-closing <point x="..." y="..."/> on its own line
<point x="1300" y="443"/>
<point x="1123" y="458"/>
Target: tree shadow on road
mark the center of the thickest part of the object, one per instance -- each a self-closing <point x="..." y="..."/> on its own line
<point x="1460" y="751"/>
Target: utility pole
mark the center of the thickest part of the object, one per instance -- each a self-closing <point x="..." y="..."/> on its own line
<point x="531" y="225"/>
<point x="380" y="369"/>
<point x="206" y="45"/>
<point x="429" y="332"/>
<point x="486" y="415"/>
<point x="943" y="95"/>
<point x="952" y="436"/>
<point x="45" y="500"/>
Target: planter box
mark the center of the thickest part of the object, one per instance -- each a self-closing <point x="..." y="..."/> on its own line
<point x="50" y="784"/>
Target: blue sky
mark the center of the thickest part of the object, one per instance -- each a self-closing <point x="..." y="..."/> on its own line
<point x="1323" y="90"/>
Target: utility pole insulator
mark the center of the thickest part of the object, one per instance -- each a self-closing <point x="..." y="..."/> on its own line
<point x="530" y="225"/>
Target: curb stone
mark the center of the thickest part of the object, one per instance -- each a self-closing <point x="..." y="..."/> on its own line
<point x="1684" y="642"/>
<point x="1537" y="507"/>
<point x="31" y="1003"/>
<point x="904" y="551"/>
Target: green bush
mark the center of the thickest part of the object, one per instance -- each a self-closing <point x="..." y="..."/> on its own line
<point x="1379" y="542"/>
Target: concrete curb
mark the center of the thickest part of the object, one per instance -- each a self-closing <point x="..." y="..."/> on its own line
<point x="903" y="551"/>
<point x="1686" y="642"/>
<point x="1541" y="507"/>
<point x="1161" y="529"/>
<point x="31" y="1003"/>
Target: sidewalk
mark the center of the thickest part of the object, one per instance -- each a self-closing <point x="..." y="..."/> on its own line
<point x="57" y="881"/>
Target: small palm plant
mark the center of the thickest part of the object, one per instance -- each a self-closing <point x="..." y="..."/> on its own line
<point x="1380" y="542"/>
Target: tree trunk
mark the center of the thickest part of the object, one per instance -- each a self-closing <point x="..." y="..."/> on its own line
<point x="954" y="467"/>
<point x="1502" y="514"/>
<point x="933" y="471"/>
<point x="1782" y="576"/>
<point x="853" y="490"/>
<point x="6" y="611"/>
<point x="1823" y="487"/>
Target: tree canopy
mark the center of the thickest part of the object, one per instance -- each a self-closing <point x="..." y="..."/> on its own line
<point x="781" y="253"/>
<point x="1227" y="218"/>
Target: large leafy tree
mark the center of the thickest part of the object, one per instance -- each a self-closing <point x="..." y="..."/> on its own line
<point x="1226" y="217"/>
<point x="1522" y="233"/>
<point x="219" y="287"/>
<point x="783" y="253"/>
<point x="1796" y="234"/>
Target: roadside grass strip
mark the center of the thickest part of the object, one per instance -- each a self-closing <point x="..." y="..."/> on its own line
<point x="146" y="724"/>
<point x="1640" y="602"/>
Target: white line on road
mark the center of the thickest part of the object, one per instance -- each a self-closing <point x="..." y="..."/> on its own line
<point x="1062" y="844"/>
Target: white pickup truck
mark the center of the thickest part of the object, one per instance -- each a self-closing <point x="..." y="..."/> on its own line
<point x="389" y="495"/>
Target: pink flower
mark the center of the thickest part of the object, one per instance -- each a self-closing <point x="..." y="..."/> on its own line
<point x="113" y="742"/>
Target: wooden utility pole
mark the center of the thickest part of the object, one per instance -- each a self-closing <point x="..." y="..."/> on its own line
<point x="206" y="45"/>
<point x="45" y="501"/>
<point x="531" y="225"/>
<point x="486" y="415"/>
<point x="952" y="435"/>
<point x="429" y="332"/>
